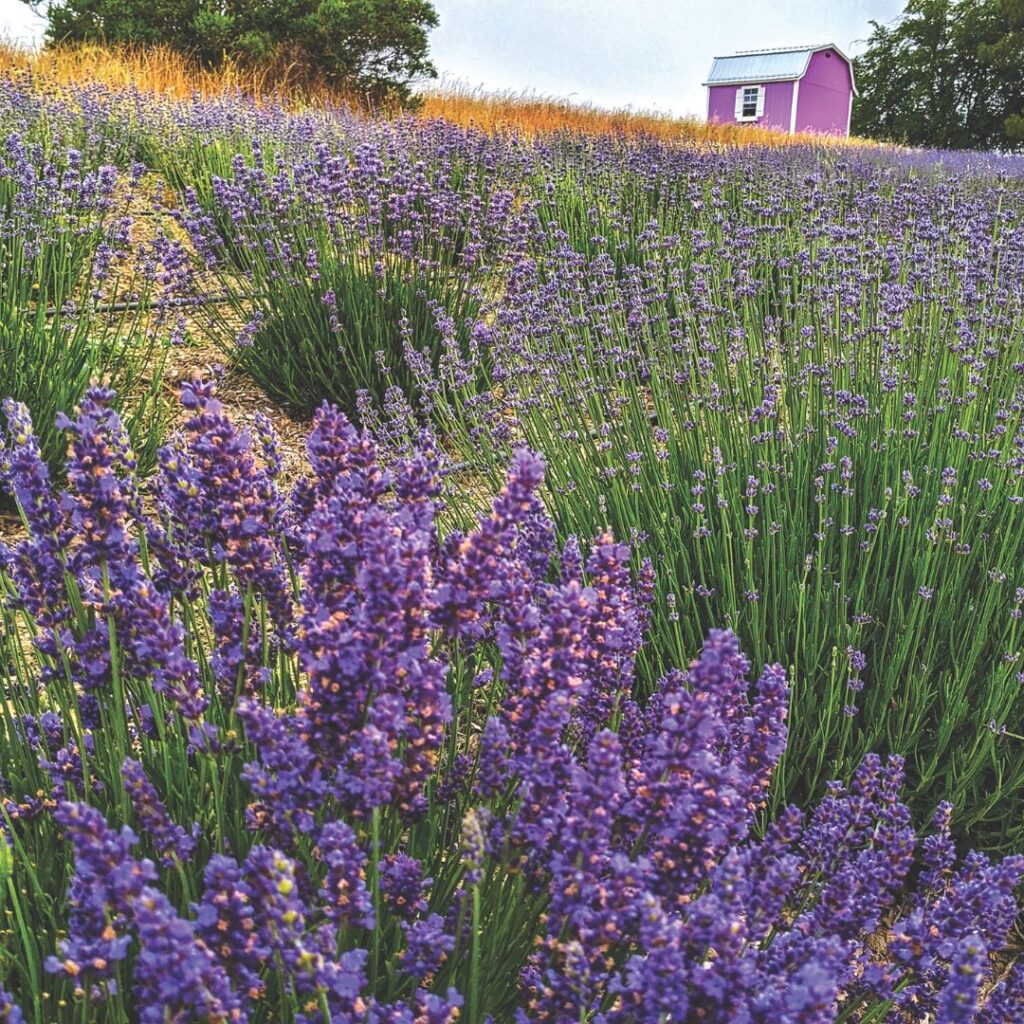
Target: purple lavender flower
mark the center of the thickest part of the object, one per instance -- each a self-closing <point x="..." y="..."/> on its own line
<point x="704" y="732"/>
<point x="1004" y="1003"/>
<point x="238" y="667"/>
<point x="226" y="923"/>
<point x="176" y="975"/>
<point x="10" y="1012"/>
<point x="172" y="842"/>
<point x="309" y="958"/>
<point x="374" y="688"/>
<point x="287" y="783"/>
<point x="403" y="887"/>
<point x="958" y="1001"/>
<point x="484" y="569"/>
<point x="280" y="918"/>
<point x="102" y="894"/>
<point x="221" y="504"/>
<point x="109" y="576"/>
<point x="427" y="946"/>
<point x="346" y="898"/>
<point x="39" y="562"/>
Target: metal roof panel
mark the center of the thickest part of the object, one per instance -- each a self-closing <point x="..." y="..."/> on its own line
<point x="776" y="65"/>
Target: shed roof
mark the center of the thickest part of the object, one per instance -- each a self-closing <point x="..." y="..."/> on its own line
<point x="779" y="65"/>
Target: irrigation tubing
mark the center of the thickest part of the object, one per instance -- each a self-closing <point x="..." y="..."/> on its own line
<point x="139" y="305"/>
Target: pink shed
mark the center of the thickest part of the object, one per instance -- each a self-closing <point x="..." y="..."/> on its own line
<point x="793" y="89"/>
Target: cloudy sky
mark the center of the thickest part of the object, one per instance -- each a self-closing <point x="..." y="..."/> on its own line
<point x="645" y="54"/>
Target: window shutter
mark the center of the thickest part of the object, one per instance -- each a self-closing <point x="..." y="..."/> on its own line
<point x="760" y="100"/>
<point x="739" y="103"/>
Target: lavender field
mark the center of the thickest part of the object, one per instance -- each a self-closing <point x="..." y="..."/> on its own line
<point x="634" y="635"/>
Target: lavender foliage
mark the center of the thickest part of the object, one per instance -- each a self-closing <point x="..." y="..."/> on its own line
<point x="448" y="793"/>
<point x="400" y="755"/>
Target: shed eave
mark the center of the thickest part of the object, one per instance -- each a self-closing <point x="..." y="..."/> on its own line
<point x="751" y="81"/>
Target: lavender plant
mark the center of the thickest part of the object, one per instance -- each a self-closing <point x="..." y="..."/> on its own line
<point x="348" y="269"/>
<point x="801" y="397"/>
<point x="66" y="249"/>
<point x="346" y="750"/>
<point x="302" y="757"/>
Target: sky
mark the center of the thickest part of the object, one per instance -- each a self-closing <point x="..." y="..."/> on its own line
<point x="640" y="54"/>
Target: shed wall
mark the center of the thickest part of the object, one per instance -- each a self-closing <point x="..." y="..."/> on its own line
<point x="823" y="103"/>
<point x="778" y="99"/>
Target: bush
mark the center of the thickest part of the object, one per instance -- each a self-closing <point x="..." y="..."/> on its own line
<point x="377" y="773"/>
<point x="65" y="252"/>
<point x="803" y="400"/>
<point x="349" y="274"/>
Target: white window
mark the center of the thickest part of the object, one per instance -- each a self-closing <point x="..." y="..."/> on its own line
<point x="749" y="102"/>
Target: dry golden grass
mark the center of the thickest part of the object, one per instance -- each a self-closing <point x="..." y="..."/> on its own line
<point x="540" y="115"/>
<point x="157" y="69"/>
<point x="163" y="71"/>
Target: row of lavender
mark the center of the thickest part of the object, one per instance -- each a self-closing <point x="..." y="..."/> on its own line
<point x="387" y="761"/>
<point x="794" y="382"/>
<point x="273" y="757"/>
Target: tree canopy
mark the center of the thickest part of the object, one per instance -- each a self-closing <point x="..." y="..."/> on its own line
<point x="947" y="73"/>
<point x="374" y="48"/>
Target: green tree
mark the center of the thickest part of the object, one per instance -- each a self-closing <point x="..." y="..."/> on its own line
<point x="946" y="74"/>
<point x="374" y="48"/>
<point x="1006" y="56"/>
